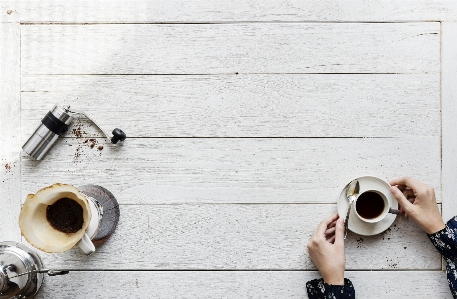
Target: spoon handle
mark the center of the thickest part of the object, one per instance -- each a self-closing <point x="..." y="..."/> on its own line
<point x="346" y="221"/>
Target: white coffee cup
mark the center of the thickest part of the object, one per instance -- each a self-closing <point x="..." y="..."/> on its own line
<point x="372" y="206"/>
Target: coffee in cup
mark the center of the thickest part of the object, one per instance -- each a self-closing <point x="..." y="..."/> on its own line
<point x="372" y="206"/>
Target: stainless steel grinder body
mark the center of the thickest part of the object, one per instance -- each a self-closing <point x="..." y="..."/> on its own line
<point x="54" y="124"/>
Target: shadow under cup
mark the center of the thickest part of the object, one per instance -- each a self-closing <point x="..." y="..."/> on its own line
<point x="372" y="206"/>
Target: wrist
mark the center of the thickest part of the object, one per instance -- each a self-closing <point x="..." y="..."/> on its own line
<point x="435" y="227"/>
<point x="334" y="279"/>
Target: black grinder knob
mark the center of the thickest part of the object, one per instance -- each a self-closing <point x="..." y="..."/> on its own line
<point x="118" y="135"/>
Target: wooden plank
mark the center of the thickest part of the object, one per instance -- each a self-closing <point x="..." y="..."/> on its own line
<point x="449" y="119"/>
<point x="231" y="48"/>
<point x="159" y="11"/>
<point x="234" y="236"/>
<point x="236" y="284"/>
<point x="233" y="170"/>
<point x="245" y="105"/>
<point x="10" y="120"/>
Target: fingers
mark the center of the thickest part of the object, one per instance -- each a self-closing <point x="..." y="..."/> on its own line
<point x="339" y="232"/>
<point x="320" y="231"/>
<point x="404" y="203"/>
<point x="333" y="224"/>
<point x="403" y="212"/>
<point x="330" y="231"/>
<point x="330" y="234"/>
<point x="401" y="187"/>
<point x="409" y="194"/>
<point x="408" y="182"/>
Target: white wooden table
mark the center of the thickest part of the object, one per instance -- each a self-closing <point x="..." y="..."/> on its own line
<point x="244" y="121"/>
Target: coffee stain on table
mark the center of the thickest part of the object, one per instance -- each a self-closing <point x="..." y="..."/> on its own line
<point x="359" y="242"/>
<point x="83" y="142"/>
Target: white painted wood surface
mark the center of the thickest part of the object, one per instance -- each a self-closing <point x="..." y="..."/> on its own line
<point x="238" y="284"/>
<point x="197" y="11"/>
<point x="240" y="237"/>
<point x="231" y="48"/>
<point x="449" y="120"/>
<point x="272" y="81"/>
<point x="308" y="105"/>
<point x="10" y="132"/>
<point x="232" y="170"/>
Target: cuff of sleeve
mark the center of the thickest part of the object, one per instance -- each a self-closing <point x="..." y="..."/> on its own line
<point x="451" y="224"/>
<point x="438" y="233"/>
<point x="445" y="240"/>
<point x="317" y="287"/>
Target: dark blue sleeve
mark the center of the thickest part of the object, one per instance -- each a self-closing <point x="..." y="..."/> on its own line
<point x="318" y="289"/>
<point x="445" y="241"/>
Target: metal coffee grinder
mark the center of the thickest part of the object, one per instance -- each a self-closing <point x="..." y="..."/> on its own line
<point x="21" y="271"/>
<point x="54" y="124"/>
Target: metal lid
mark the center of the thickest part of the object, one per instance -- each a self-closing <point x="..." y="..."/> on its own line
<point x="61" y="114"/>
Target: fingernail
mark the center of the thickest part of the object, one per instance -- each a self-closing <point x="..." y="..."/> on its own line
<point x="341" y="221"/>
<point x="393" y="189"/>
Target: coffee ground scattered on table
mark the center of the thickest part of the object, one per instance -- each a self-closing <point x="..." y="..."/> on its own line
<point x="65" y="215"/>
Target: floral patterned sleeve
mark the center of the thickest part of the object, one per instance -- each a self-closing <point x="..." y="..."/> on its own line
<point x="445" y="242"/>
<point x="318" y="289"/>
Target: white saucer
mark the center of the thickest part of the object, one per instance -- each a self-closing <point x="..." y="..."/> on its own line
<point x="358" y="226"/>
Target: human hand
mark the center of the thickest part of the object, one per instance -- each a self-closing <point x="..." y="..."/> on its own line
<point x="417" y="200"/>
<point x="326" y="250"/>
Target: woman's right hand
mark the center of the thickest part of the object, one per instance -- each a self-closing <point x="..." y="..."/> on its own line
<point x="326" y="250"/>
<point x="417" y="200"/>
